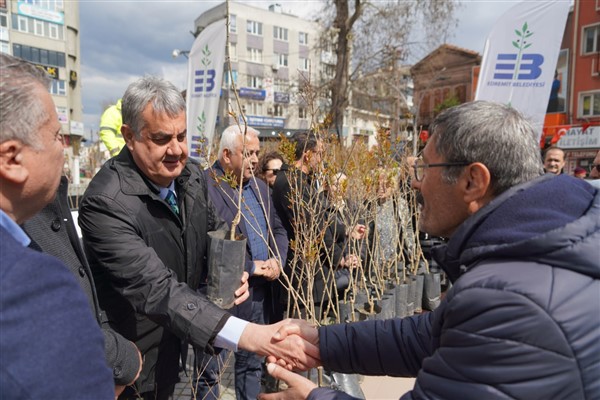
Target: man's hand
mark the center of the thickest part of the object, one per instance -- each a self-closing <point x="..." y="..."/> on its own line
<point x="358" y="232"/>
<point x="298" y="386"/>
<point x="350" y="261"/>
<point x="242" y="293"/>
<point x="268" y="269"/>
<point x="291" y="343"/>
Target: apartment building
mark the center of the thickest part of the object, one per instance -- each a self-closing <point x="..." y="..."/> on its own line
<point x="273" y="55"/>
<point x="46" y="32"/>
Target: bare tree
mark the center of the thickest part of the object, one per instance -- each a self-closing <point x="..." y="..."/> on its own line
<point x="372" y="35"/>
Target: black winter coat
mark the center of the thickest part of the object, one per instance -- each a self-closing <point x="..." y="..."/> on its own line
<point x="522" y="320"/>
<point x="147" y="262"/>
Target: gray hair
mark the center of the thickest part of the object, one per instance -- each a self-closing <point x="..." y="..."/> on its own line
<point x="21" y="111"/>
<point x="229" y="137"/>
<point x="163" y="95"/>
<point x="493" y="134"/>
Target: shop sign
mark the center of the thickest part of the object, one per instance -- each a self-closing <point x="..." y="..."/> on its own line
<point x="281" y="97"/>
<point x="272" y="122"/>
<point x="44" y="14"/>
<point x="578" y="138"/>
<point x="255" y="94"/>
<point x="77" y="128"/>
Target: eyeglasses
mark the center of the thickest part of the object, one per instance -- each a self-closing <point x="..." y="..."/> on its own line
<point x="419" y="167"/>
<point x="275" y="170"/>
<point x="595" y="166"/>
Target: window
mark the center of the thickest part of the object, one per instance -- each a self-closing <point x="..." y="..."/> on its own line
<point x="53" y="31"/>
<point x="40" y="56"/>
<point x="280" y="85"/>
<point x="280" y="33"/>
<point x="234" y="73"/>
<point x="254" y="55"/>
<point x="255" y="82"/>
<point x="254" y="108"/>
<point x="22" y="23"/>
<point x="58" y="87"/>
<point x="254" y="27"/>
<point x="591" y="39"/>
<point x="329" y="70"/>
<point x="303" y="38"/>
<point x="232" y="23"/>
<point x="4" y="48"/>
<point x="302" y="114"/>
<point x="304" y="64"/>
<point x="278" y="110"/>
<point x="590" y="104"/>
<point x="233" y="52"/>
<point x="3" y="20"/>
<point x="38" y="28"/>
<point x="281" y="60"/>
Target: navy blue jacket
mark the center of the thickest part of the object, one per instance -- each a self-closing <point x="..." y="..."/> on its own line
<point x="522" y="320"/>
<point x="224" y="199"/>
<point x="50" y="344"/>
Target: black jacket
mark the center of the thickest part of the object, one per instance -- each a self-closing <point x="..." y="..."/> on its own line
<point x="52" y="231"/>
<point x="147" y="262"/>
<point x="522" y="319"/>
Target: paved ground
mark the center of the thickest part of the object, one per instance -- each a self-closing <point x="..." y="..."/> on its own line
<point x="374" y="388"/>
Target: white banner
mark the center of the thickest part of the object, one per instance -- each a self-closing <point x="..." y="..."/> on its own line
<point x="205" y="74"/>
<point x="520" y="56"/>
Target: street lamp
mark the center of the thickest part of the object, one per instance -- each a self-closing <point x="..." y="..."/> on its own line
<point x="176" y="53"/>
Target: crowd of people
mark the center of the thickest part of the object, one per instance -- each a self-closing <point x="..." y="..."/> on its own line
<point x="112" y="315"/>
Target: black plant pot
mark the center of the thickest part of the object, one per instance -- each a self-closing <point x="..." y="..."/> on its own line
<point x="225" y="268"/>
<point x="419" y="279"/>
<point x="410" y="301"/>
<point x="402" y="300"/>
<point x="432" y="291"/>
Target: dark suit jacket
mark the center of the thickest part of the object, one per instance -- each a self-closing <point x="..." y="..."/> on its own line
<point x="52" y="231"/>
<point x="50" y="344"/>
<point x="225" y="200"/>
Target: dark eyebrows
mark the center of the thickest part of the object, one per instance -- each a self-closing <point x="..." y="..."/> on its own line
<point x="164" y="135"/>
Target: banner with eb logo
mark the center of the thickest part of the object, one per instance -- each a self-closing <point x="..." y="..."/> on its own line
<point x="205" y="74"/>
<point x="520" y="56"/>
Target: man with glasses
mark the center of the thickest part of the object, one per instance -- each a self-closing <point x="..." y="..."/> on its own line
<point x="521" y="319"/>
<point x="51" y="346"/>
<point x="266" y="246"/>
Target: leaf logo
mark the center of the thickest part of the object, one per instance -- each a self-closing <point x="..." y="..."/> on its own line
<point x="206" y="53"/>
<point x="523" y="34"/>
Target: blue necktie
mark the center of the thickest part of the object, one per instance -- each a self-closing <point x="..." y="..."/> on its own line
<point x="172" y="201"/>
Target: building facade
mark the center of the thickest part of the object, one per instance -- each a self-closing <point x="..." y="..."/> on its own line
<point x="46" y="32"/>
<point x="273" y="57"/>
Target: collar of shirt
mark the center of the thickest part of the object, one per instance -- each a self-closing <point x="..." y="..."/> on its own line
<point x="14" y="229"/>
<point x="165" y="191"/>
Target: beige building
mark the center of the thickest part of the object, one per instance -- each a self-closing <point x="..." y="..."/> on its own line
<point x="273" y="54"/>
<point x="46" y="32"/>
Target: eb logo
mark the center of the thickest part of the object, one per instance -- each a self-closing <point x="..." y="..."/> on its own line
<point x="509" y="66"/>
<point x="204" y="80"/>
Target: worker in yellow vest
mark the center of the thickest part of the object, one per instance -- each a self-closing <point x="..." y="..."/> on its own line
<point x="110" y="129"/>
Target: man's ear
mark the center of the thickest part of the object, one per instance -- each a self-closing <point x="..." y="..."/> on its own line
<point x="12" y="167"/>
<point x="477" y="184"/>
<point x="226" y="156"/>
<point x="128" y="135"/>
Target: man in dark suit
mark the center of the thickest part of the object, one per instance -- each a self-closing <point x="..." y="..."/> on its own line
<point x="53" y="231"/>
<point x="50" y="344"/>
<point x="267" y="244"/>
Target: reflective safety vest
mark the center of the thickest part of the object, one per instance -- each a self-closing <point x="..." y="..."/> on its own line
<point x="110" y="128"/>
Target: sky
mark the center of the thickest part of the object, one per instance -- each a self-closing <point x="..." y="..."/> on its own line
<point x="123" y="40"/>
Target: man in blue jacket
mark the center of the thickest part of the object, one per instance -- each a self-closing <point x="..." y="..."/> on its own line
<point x="521" y="320"/>
<point x="50" y="344"/>
<point x="266" y="246"/>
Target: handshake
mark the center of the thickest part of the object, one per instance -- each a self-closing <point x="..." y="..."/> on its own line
<point x="289" y="344"/>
